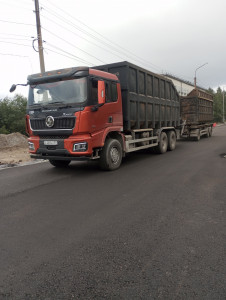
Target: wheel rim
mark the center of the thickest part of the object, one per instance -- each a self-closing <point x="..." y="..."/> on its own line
<point x="164" y="143"/>
<point x="114" y="155"/>
<point x="173" y="140"/>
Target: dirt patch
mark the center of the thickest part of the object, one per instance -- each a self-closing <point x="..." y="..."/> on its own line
<point x="13" y="149"/>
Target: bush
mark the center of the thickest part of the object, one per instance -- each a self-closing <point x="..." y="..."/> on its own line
<point x="12" y="114"/>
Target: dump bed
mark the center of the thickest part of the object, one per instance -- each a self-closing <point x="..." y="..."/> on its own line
<point x="197" y="107"/>
<point x="149" y="100"/>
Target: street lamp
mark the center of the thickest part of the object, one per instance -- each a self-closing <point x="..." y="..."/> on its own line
<point x="196" y="71"/>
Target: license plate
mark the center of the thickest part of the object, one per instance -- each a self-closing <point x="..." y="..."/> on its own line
<point x="50" y="143"/>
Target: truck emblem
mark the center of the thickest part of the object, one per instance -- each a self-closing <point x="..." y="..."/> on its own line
<point x="49" y="121"/>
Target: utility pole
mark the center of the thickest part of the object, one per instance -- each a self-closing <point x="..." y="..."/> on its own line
<point x="39" y="33"/>
<point x="223" y="105"/>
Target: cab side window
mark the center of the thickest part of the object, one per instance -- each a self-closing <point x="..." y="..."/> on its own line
<point x="94" y="91"/>
<point x="114" y="92"/>
<point x="111" y="92"/>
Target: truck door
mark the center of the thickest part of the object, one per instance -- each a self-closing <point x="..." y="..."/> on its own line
<point x="110" y="113"/>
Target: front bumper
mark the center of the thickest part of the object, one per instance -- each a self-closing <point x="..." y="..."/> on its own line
<point x="56" y="157"/>
<point x="62" y="149"/>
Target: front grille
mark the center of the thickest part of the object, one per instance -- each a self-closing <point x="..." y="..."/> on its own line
<point x="59" y="123"/>
<point x="53" y="137"/>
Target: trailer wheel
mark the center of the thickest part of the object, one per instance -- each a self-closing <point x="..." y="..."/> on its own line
<point x="111" y="155"/>
<point x="172" y="139"/>
<point x="197" y="138"/>
<point x="210" y="131"/>
<point x="163" y="144"/>
<point x="59" y="163"/>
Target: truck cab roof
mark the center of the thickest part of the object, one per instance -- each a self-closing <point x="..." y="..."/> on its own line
<point x="62" y="74"/>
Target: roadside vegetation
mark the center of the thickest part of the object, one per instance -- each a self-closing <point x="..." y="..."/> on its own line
<point x="12" y="114"/>
<point x="218" y="105"/>
<point x="13" y="110"/>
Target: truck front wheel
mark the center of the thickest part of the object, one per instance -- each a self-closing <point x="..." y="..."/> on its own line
<point x="59" y="163"/>
<point x="111" y="155"/>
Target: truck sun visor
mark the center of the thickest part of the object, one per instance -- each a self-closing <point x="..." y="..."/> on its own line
<point x="58" y="75"/>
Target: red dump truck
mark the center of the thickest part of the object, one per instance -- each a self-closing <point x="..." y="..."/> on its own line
<point x="100" y="113"/>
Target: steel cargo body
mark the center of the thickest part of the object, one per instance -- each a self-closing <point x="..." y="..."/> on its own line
<point x="197" y="107"/>
<point x="148" y="100"/>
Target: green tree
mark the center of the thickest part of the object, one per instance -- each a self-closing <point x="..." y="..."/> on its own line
<point x="218" y="105"/>
<point x="12" y="114"/>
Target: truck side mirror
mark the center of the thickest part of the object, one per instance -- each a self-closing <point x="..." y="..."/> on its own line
<point x="101" y="92"/>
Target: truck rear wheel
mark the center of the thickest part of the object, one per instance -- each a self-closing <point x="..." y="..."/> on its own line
<point x="59" y="163"/>
<point x="163" y="144"/>
<point x="172" y="139"/>
<point x="111" y="155"/>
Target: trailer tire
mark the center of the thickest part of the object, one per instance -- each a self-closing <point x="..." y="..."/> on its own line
<point x="172" y="139"/>
<point x="197" y="138"/>
<point x="59" y="163"/>
<point x="111" y="155"/>
<point x="210" y="131"/>
<point x="163" y="143"/>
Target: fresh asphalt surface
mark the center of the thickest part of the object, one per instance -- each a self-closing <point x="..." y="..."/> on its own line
<point x="154" y="229"/>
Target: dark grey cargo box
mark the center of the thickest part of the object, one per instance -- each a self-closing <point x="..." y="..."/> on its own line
<point x="149" y="100"/>
<point x="197" y="107"/>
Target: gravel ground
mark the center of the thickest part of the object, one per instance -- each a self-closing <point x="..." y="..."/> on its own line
<point x="13" y="149"/>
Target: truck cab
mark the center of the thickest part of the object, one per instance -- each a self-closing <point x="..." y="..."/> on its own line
<point x="71" y="112"/>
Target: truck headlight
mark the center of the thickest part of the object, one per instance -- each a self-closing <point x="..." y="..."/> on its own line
<point x="31" y="146"/>
<point x="80" y="147"/>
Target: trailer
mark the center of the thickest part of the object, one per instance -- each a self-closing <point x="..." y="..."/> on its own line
<point x="196" y="111"/>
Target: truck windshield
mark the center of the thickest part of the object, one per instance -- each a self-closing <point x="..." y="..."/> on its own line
<point x="69" y="91"/>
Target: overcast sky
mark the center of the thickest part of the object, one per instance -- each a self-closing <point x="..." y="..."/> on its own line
<point x="173" y="36"/>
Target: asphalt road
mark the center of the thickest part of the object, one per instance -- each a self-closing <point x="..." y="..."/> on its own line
<point x="154" y="229"/>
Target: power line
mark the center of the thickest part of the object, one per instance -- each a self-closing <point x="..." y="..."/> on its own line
<point x="87" y="33"/>
<point x="9" y="54"/>
<point x="72" y="44"/>
<point x="73" y="58"/>
<point x="127" y="51"/>
<point x="15" y="39"/>
<point x="14" y="34"/>
<point x="82" y="37"/>
<point x="72" y="55"/>
<point x="17" y="6"/>
<point x="15" y="43"/>
<point x="22" y="1"/>
<point x="18" y="23"/>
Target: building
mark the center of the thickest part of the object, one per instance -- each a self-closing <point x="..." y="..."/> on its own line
<point x="183" y="87"/>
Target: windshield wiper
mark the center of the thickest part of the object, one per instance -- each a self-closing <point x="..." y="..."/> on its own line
<point x="55" y="102"/>
<point x="34" y="104"/>
<point x="59" y="102"/>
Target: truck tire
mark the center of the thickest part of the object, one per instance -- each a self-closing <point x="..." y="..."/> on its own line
<point x="111" y="155"/>
<point x="59" y="163"/>
<point x="172" y="139"/>
<point x="163" y="144"/>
